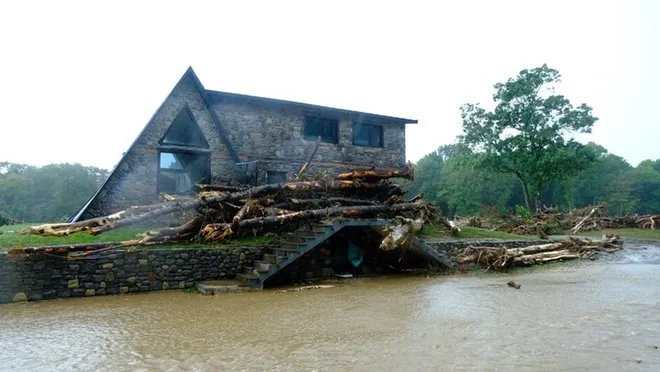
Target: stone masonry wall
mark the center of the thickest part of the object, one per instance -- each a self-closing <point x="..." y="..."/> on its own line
<point x="41" y="277"/>
<point x="274" y="135"/>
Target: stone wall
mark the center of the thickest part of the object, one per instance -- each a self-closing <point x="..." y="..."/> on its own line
<point x="40" y="277"/>
<point x="273" y="134"/>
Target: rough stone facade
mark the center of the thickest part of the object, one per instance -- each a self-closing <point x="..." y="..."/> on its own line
<point x="274" y="136"/>
<point x="41" y="277"/>
<point x="263" y="130"/>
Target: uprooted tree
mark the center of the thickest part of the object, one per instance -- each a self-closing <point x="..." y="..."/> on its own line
<point x="502" y="258"/>
<point x="525" y="134"/>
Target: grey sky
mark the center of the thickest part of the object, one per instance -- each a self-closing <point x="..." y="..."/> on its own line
<point x="79" y="80"/>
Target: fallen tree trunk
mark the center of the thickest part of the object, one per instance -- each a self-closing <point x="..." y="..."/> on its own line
<point x="374" y="175"/>
<point x="399" y="236"/>
<point x="297" y="204"/>
<point x="185" y="231"/>
<point x="204" y="187"/>
<point x="546" y="257"/>
<point x="64" y="229"/>
<point x="647" y="222"/>
<point x="305" y="166"/>
<point x="299" y="186"/>
<point x="241" y="212"/>
<point x="577" y="227"/>
<point x="570" y="248"/>
<point x="221" y="231"/>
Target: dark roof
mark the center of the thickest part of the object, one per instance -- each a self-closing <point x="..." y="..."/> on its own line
<point x="213" y="94"/>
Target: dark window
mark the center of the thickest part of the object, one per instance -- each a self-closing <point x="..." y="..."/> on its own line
<point x="184" y="131"/>
<point x="275" y="177"/>
<point x="326" y="128"/>
<point x="179" y="172"/>
<point x="367" y="135"/>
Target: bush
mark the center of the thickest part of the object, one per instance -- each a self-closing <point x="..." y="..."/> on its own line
<point x="523" y="212"/>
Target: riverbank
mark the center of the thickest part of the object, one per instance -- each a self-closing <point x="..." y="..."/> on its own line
<point x="35" y="277"/>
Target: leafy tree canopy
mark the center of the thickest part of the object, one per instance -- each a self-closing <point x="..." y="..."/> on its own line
<point x="526" y="134"/>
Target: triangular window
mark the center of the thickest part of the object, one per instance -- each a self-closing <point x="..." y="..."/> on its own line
<point x="184" y="131"/>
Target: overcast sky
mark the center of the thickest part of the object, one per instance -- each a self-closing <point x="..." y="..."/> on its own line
<point x="79" y="80"/>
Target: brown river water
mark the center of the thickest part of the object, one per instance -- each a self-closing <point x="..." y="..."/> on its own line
<point x="600" y="316"/>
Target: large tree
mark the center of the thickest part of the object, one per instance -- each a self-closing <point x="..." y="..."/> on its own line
<point x="526" y="134"/>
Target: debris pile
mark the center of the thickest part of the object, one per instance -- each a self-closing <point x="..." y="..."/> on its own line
<point x="501" y="258"/>
<point x="550" y="221"/>
<point x="221" y="212"/>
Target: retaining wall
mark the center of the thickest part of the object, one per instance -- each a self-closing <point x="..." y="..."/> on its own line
<point x="40" y="277"/>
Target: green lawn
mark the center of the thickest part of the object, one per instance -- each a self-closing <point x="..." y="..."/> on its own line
<point x="9" y="238"/>
<point x="626" y="233"/>
<point x="467" y="232"/>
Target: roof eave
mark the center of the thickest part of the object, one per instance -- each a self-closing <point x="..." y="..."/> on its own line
<point x="390" y="119"/>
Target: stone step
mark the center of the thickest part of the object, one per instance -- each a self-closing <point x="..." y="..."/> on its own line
<point x="269" y="258"/>
<point x="295" y="239"/>
<point x="284" y="252"/>
<point x="280" y="259"/>
<point x="290" y="246"/>
<point x="262" y="267"/>
<point x="222" y="286"/>
<point x="307" y="233"/>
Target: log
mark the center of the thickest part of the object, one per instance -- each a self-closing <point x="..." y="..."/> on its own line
<point x="399" y="236"/>
<point x="167" y="208"/>
<point x="64" y="229"/>
<point x="305" y="166"/>
<point x="205" y="187"/>
<point x="515" y="252"/>
<point x="374" y="175"/>
<point x="546" y="257"/>
<point x="144" y="213"/>
<point x="297" y="204"/>
<point x="577" y="227"/>
<point x="220" y="231"/>
<point x="187" y="230"/>
<point x="241" y="212"/>
<point x="647" y="222"/>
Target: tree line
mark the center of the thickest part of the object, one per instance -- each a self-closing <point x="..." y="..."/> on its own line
<point x="521" y="156"/>
<point x="454" y="179"/>
<point x="49" y="193"/>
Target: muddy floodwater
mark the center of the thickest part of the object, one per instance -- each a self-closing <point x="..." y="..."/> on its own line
<point x="600" y="316"/>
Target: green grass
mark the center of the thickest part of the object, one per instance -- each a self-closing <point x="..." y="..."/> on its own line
<point x="467" y="232"/>
<point x="643" y="234"/>
<point x="9" y="239"/>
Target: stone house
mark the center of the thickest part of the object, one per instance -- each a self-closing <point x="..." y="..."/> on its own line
<point x="201" y="136"/>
